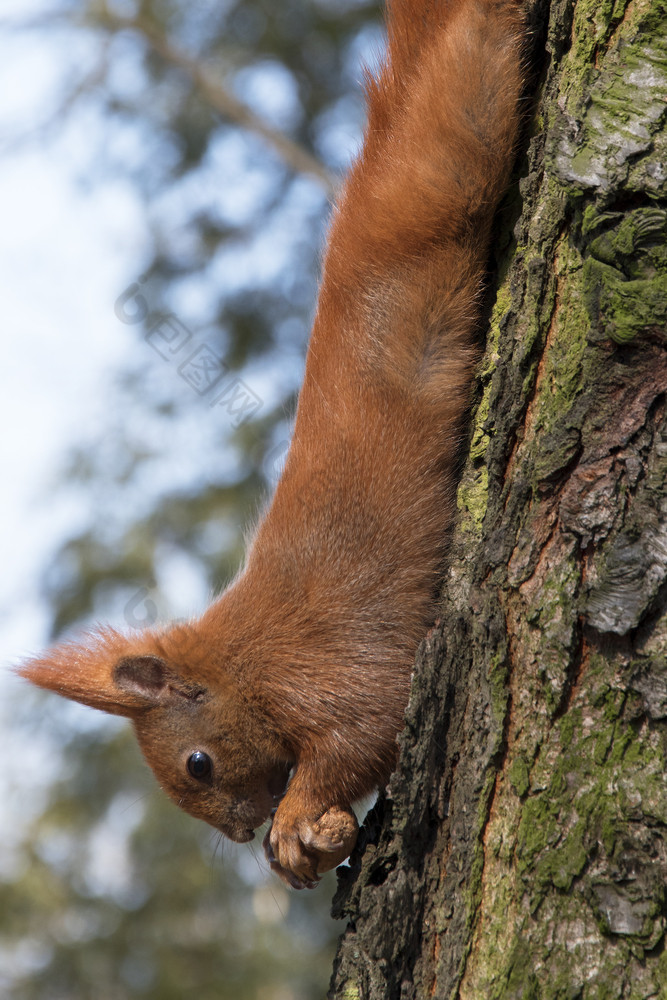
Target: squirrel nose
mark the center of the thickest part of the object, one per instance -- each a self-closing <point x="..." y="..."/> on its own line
<point x="239" y="836"/>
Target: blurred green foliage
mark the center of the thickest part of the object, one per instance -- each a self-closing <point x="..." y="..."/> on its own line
<point x="116" y="894"/>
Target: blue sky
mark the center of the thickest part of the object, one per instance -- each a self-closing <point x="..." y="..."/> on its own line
<point x="64" y="254"/>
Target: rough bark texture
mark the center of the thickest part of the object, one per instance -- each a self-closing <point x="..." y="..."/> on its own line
<point x="522" y="849"/>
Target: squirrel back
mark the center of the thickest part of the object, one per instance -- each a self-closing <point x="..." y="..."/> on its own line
<point x="290" y="689"/>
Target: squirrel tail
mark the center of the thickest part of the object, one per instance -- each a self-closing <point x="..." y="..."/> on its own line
<point x="409" y="240"/>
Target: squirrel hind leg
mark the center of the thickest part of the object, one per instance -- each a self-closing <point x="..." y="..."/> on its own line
<point x="417" y="340"/>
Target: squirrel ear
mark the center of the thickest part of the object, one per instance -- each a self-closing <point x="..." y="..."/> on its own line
<point x="145" y="676"/>
<point x="106" y="670"/>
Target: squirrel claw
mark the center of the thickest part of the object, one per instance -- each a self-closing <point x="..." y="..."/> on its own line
<point x="288" y="877"/>
<point x="302" y="850"/>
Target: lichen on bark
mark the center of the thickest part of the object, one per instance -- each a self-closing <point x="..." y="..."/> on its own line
<point x="522" y="849"/>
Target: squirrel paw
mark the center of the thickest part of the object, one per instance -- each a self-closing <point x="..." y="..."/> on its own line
<point x="301" y="850"/>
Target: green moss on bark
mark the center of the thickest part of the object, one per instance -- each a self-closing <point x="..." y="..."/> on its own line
<point x="472" y="493"/>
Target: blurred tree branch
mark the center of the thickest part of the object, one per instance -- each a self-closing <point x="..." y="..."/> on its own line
<point x="221" y="100"/>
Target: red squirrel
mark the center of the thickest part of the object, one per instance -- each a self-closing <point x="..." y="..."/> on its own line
<point x="289" y="692"/>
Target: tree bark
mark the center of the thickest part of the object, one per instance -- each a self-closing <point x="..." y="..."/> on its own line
<point x="521" y="850"/>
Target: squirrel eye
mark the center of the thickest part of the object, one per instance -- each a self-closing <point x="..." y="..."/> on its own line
<point x="200" y="765"/>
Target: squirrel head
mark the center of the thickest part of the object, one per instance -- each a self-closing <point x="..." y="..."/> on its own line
<point x="208" y="746"/>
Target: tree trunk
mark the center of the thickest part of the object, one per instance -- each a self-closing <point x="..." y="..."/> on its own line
<point x="521" y="851"/>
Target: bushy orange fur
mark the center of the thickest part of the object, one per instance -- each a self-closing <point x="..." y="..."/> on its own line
<point x="304" y="662"/>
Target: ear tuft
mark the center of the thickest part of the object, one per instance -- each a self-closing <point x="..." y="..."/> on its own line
<point x="104" y="670"/>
